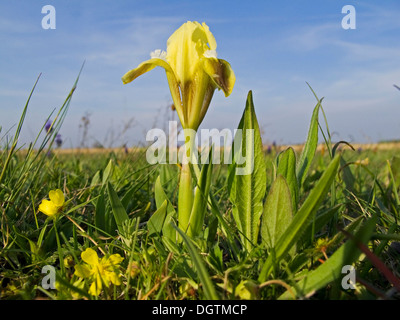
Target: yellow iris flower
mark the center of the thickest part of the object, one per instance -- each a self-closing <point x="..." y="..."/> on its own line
<point x="193" y="71"/>
<point x="54" y="206"/>
<point x="99" y="271"/>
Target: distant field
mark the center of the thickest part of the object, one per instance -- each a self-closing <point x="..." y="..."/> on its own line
<point x="297" y="148"/>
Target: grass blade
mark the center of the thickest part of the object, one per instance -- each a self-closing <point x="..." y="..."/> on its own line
<point x="204" y="276"/>
<point x="310" y="147"/>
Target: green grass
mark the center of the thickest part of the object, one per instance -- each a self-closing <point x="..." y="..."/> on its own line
<point x="111" y="196"/>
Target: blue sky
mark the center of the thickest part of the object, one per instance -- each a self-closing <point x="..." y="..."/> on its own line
<point x="273" y="47"/>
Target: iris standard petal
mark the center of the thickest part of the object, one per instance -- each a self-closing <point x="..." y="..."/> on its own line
<point x="210" y="37"/>
<point x="185" y="47"/>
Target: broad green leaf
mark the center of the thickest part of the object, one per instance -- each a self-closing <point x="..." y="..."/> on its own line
<point x="232" y="166"/>
<point x="208" y="287"/>
<point x="156" y="221"/>
<point x="161" y="197"/>
<point x="118" y="209"/>
<point x="302" y="218"/>
<point x="393" y="181"/>
<point x="34" y="251"/>
<point x="331" y="269"/>
<point x="168" y="177"/>
<point x="395" y="166"/>
<point x="199" y="208"/>
<point x="159" y="193"/>
<point x="248" y="177"/>
<point x="108" y="171"/>
<point x="347" y="176"/>
<point x="287" y="168"/>
<point x="99" y="218"/>
<point x="277" y="213"/>
<point x="308" y="152"/>
<point x="95" y="179"/>
<point x="41" y="235"/>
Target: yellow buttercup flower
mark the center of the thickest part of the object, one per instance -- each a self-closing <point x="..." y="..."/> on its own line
<point x="99" y="271"/>
<point x="193" y="71"/>
<point x="55" y="205"/>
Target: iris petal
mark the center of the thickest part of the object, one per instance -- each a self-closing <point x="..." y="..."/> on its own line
<point x="221" y="73"/>
<point x="145" y="67"/>
<point x="172" y="81"/>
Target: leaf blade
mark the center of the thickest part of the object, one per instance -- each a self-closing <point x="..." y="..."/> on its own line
<point x="118" y="209"/>
<point x="287" y="168"/>
<point x="277" y="213"/>
<point x="248" y="187"/>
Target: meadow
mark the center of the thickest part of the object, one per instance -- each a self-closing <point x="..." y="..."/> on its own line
<point x="318" y="221"/>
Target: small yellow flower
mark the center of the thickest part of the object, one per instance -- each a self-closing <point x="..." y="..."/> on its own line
<point x="55" y="205"/>
<point x="99" y="271"/>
